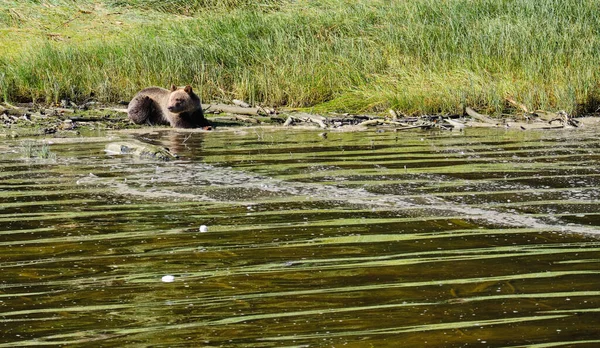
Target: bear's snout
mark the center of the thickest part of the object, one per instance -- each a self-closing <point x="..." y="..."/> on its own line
<point x="176" y="107"/>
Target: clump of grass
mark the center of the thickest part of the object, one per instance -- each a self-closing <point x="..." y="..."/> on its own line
<point x="351" y="55"/>
<point x="31" y="149"/>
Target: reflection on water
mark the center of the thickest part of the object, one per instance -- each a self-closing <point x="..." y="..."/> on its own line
<point x="484" y="238"/>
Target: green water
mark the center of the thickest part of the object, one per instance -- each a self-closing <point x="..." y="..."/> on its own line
<point x="484" y="238"/>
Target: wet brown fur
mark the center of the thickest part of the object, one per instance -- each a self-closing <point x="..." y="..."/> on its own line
<point x="178" y="107"/>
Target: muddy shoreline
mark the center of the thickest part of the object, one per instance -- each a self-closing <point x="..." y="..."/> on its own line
<point x="29" y="120"/>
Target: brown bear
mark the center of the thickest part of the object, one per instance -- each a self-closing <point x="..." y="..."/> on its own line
<point x="179" y="107"/>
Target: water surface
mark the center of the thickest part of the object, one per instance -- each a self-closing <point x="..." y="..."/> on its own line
<point x="480" y="238"/>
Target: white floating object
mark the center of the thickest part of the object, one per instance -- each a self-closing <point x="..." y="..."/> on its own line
<point x="168" y="279"/>
<point x="203" y="228"/>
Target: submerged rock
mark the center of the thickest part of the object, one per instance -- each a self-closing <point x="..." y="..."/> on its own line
<point x="139" y="149"/>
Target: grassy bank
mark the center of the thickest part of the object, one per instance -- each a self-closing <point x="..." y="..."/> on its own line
<point x="349" y="55"/>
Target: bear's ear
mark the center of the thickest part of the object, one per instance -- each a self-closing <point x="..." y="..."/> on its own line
<point x="173" y="88"/>
<point x="188" y="89"/>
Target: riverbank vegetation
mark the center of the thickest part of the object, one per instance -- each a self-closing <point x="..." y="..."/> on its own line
<point x="418" y="56"/>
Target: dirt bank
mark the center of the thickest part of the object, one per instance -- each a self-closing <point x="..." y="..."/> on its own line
<point x="29" y="120"/>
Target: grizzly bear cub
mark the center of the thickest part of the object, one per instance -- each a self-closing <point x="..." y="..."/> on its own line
<point x="179" y="107"/>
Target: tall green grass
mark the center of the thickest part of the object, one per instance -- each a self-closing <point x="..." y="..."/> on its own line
<point x="193" y="6"/>
<point x="352" y="55"/>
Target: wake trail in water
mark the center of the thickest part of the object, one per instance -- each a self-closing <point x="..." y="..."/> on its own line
<point x="197" y="182"/>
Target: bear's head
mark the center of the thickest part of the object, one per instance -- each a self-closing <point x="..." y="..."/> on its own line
<point x="183" y="100"/>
